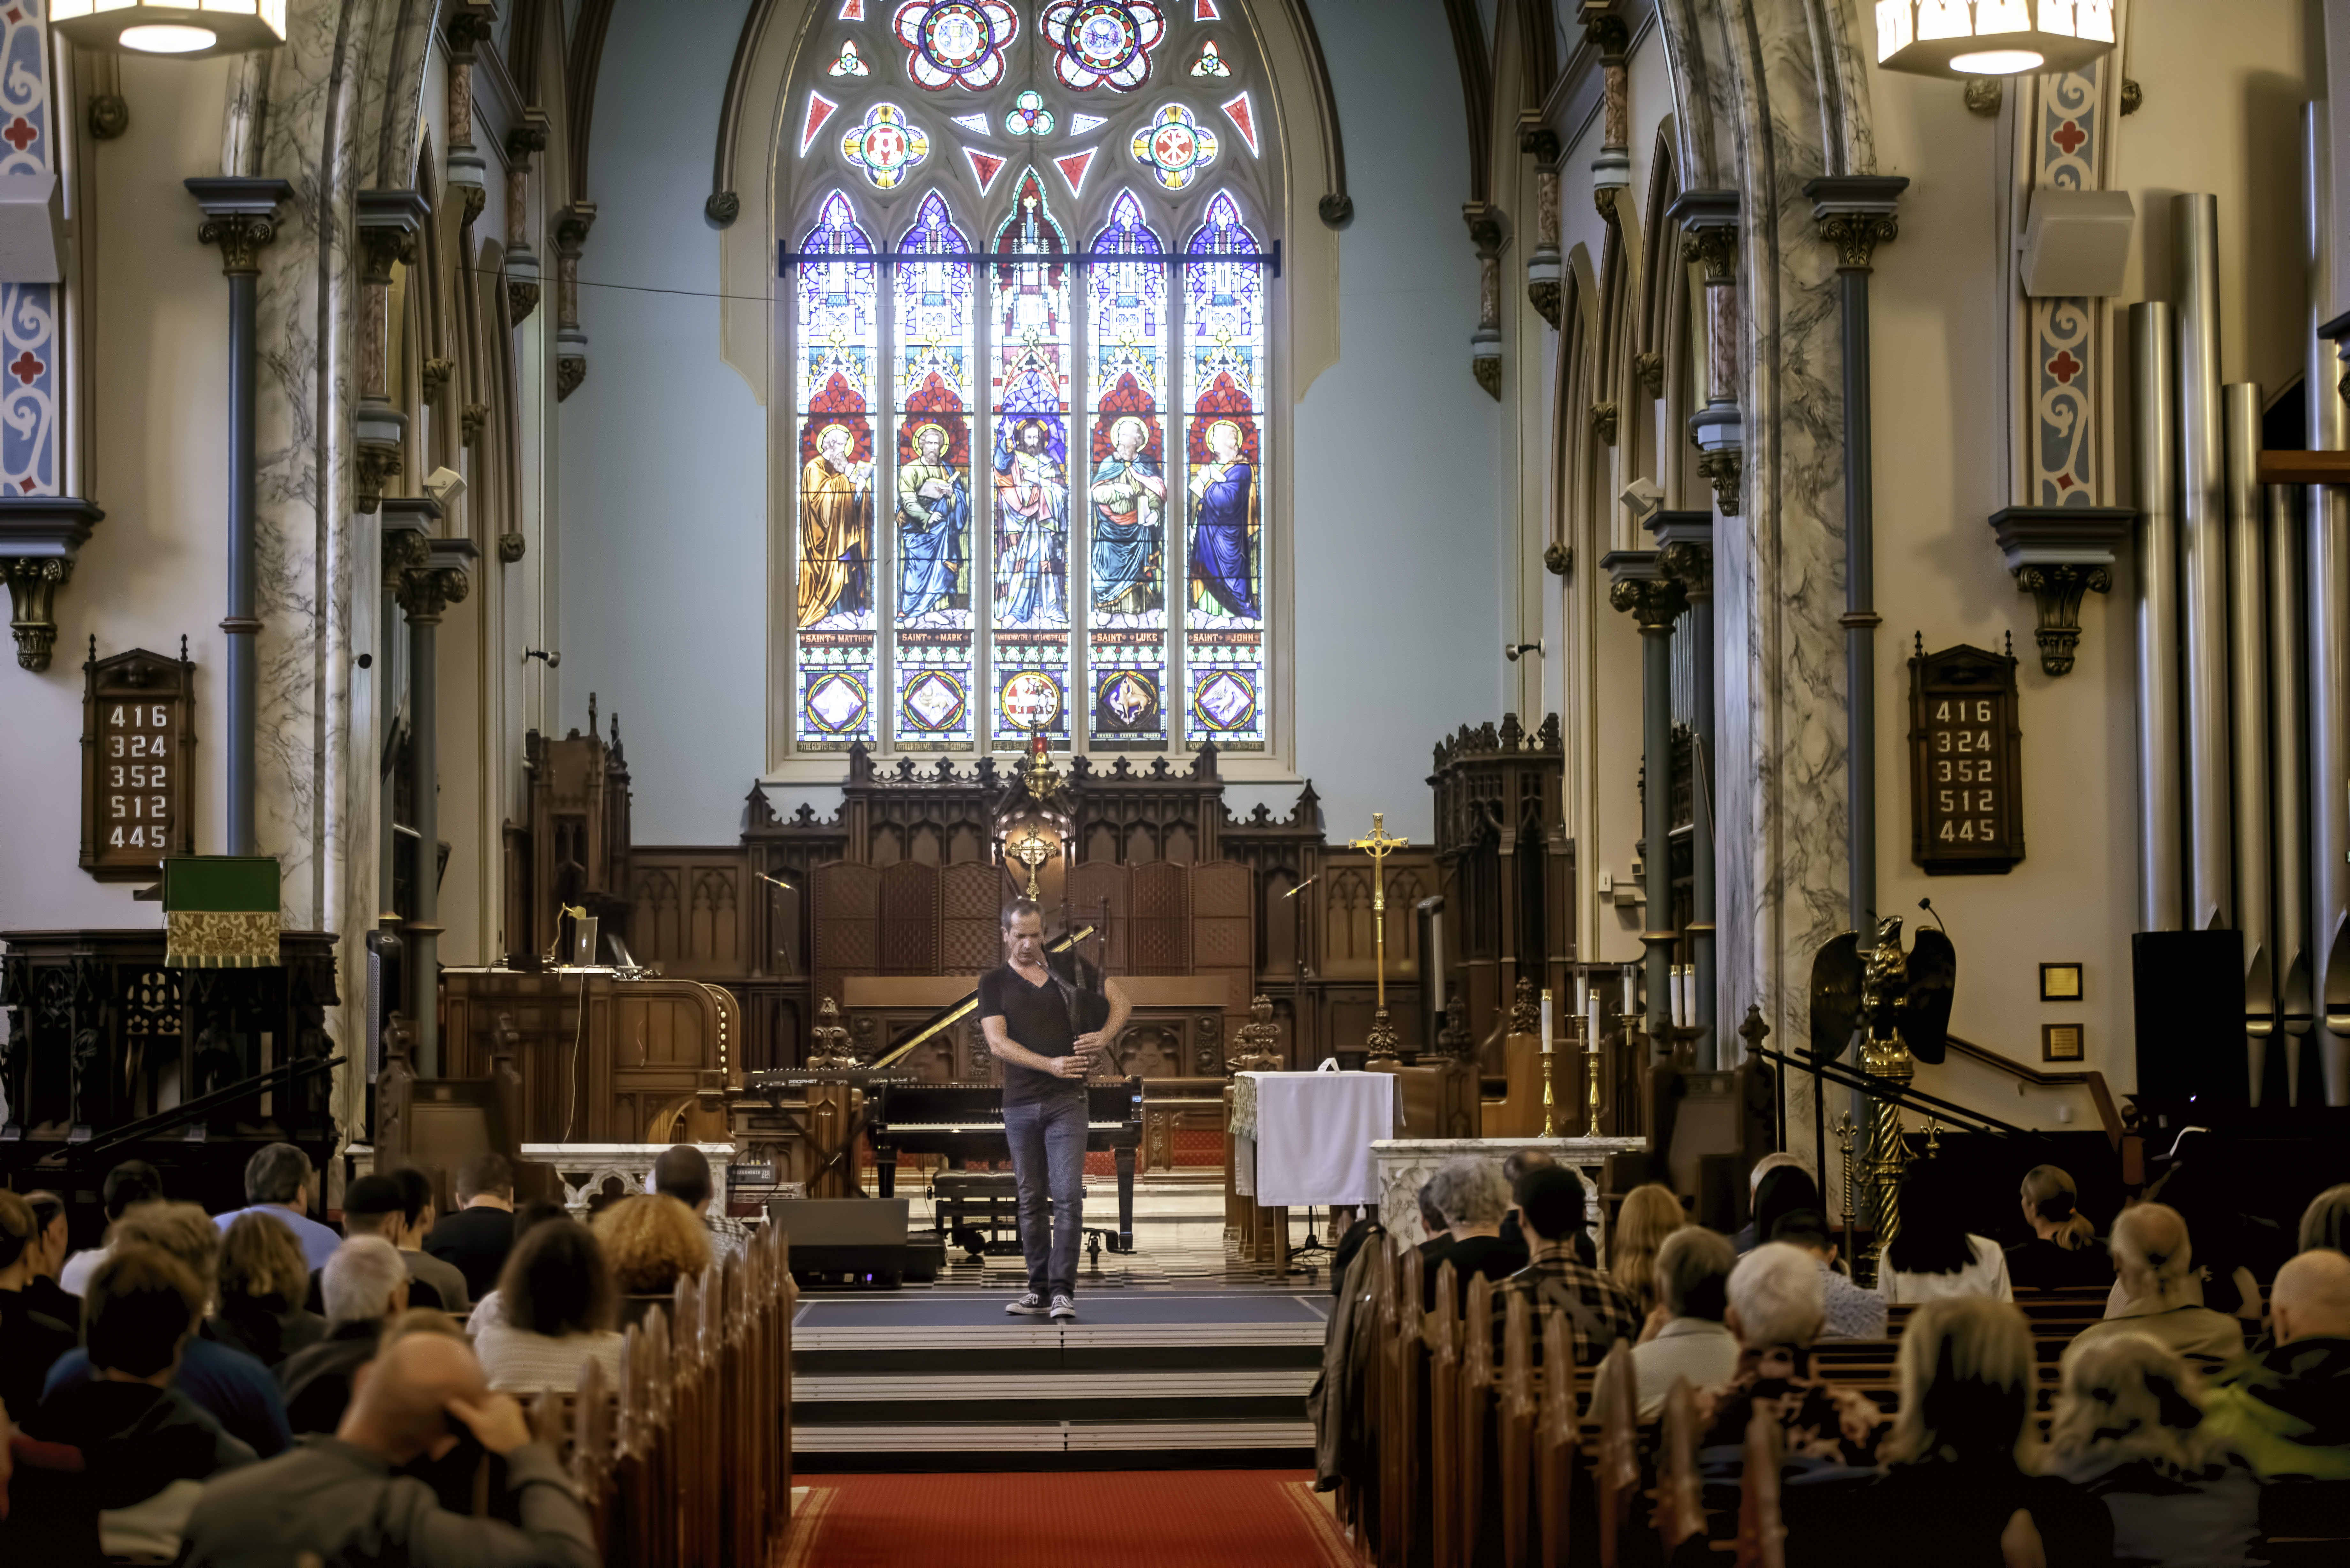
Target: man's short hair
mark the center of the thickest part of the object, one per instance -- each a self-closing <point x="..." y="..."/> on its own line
<point x="1805" y="1228"/>
<point x="182" y="1229"/>
<point x="359" y="1280"/>
<point x="484" y="1174"/>
<point x="1432" y="1218"/>
<point x="1020" y="909"/>
<point x="132" y="1181"/>
<point x="1551" y="1202"/>
<point x="1776" y="1292"/>
<point x="276" y="1175"/>
<point x="682" y="1171"/>
<point x="137" y="1307"/>
<point x="1693" y="1272"/>
<point x="373" y="1205"/>
<point x="1521" y="1161"/>
<point x="1468" y="1190"/>
<point x="416" y="1193"/>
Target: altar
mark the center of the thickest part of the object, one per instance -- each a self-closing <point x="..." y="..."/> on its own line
<point x="1405" y="1164"/>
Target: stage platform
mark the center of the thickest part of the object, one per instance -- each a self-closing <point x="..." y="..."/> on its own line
<point x="1184" y="1355"/>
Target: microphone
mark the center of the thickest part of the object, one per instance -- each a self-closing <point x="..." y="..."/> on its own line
<point x="1928" y="905"/>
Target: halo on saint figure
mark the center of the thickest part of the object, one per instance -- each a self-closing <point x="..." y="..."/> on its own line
<point x="1239" y="442"/>
<point x="929" y="429"/>
<point x="1128" y="422"/>
<point x="847" y="440"/>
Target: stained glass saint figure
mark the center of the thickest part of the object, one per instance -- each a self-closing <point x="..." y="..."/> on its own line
<point x="1221" y="545"/>
<point x="933" y="511"/>
<point x="835" y="530"/>
<point x="1031" y="510"/>
<point x="1129" y="497"/>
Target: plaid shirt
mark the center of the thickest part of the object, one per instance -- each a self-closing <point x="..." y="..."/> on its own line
<point x="1597" y="1313"/>
<point x="728" y="1235"/>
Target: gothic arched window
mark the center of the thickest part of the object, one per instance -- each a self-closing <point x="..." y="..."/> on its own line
<point x="1029" y="251"/>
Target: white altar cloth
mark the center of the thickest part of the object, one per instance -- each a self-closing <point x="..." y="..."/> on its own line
<point x="1303" y="1139"/>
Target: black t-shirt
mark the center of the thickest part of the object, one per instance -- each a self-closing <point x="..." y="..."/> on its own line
<point x="1036" y="1016"/>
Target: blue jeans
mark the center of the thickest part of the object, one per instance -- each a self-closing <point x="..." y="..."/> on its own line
<point x="1048" y="1155"/>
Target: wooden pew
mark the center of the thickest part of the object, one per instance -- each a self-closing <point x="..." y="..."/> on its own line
<point x="1680" y="1507"/>
<point x="1556" y="1447"/>
<point x="1761" y="1538"/>
<point x="1616" y="1409"/>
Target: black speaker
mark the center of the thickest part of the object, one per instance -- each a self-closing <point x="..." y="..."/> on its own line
<point x="2188" y="991"/>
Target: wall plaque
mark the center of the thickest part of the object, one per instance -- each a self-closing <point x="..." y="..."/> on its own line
<point x="1966" y="795"/>
<point x="138" y="746"/>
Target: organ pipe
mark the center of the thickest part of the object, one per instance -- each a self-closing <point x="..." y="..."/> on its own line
<point x="2160" y="836"/>
<point x="2194" y="223"/>
<point x="2248" y="658"/>
<point x="2289" y="822"/>
<point x="2326" y="524"/>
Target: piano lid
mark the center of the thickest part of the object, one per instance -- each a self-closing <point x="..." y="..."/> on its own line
<point x="955" y="1012"/>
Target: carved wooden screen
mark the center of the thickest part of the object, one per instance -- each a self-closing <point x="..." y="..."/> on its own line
<point x="909" y="919"/>
<point x="1091" y="881"/>
<point x="847" y="896"/>
<point x="1223" y="939"/>
<point x="972" y="897"/>
<point x="1162" y="925"/>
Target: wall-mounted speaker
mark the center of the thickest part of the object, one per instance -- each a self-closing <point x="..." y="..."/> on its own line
<point x="2188" y="991"/>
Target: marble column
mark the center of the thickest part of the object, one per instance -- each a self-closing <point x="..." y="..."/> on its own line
<point x="1640" y="588"/>
<point x="570" y="340"/>
<point x="425" y="594"/>
<point x="1684" y="554"/>
<point x="1709" y="220"/>
<point x="240" y="217"/>
<point x="523" y="141"/>
<point x="389" y="222"/>
<point x="1485" y="343"/>
<point x="1611" y="168"/>
<point x="1545" y="275"/>
<point x="468" y="26"/>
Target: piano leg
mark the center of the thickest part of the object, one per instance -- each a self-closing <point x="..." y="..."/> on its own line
<point x="1125" y="1159"/>
<point x="884" y="1165"/>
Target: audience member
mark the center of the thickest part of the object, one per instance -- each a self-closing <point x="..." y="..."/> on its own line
<point x="49" y="1258"/>
<point x="1748" y="1237"/>
<point x="1650" y="1213"/>
<point x="417" y="1212"/>
<point x="376" y="1206"/>
<point x="651" y="1243"/>
<point x="278" y="1182"/>
<point x="2064" y="1249"/>
<point x="2155" y="1254"/>
<point x="476" y="1239"/>
<point x="146" y="1450"/>
<point x="1961" y="1462"/>
<point x="1438" y="1237"/>
<point x="2214" y="1188"/>
<point x="682" y="1171"/>
<point x="1514" y="1169"/>
<point x="338" y="1499"/>
<point x="2129" y="1430"/>
<point x="232" y="1387"/>
<point x="1469" y="1193"/>
<point x="1776" y="1310"/>
<point x="2288" y="1412"/>
<point x="132" y="1181"/>
<point x="557" y="1299"/>
<point x="1689" y="1339"/>
<point x="366" y="1282"/>
<point x="1552" y="1205"/>
<point x="1934" y="1255"/>
<point x="32" y="1338"/>
<point x="2326" y="1221"/>
<point x="489" y="1310"/>
<point x="263" y="1278"/>
<point x="1852" y="1312"/>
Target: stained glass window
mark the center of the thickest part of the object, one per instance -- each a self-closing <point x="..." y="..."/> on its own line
<point x="836" y="345"/>
<point x="1032" y="437"/>
<point x="936" y="668"/>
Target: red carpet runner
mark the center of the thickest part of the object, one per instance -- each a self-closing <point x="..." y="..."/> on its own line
<point x="1148" y="1519"/>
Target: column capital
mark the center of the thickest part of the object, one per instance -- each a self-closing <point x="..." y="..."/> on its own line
<point x="529" y="136"/>
<point x="2058" y="554"/>
<point x="40" y="537"/>
<point x="1723" y="467"/>
<point x="389" y="222"/>
<point x="1856" y="213"/>
<point x="1685" y="549"/>
<point x="1639" y="586"/>
<point x="240" y="216"/>
<point x="469" y="25"/>
<point x="1709" y="220"/>
<point x="443" y="578"/>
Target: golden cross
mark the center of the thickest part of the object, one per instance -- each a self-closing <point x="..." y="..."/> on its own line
<point x="1379" y="846"/>
<point x="1032" y="850"/>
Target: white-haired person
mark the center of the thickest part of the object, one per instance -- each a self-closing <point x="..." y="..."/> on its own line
<point x="1962" y="1486"/>
<point x="1777" y="1308"/>
<point x="1685" y="1336"/>
<point x="1472" y="1196"/>
<point x="2155" y="1257"/>
<point x="2130" y="1430"/>
<point x="364" y="1283"/>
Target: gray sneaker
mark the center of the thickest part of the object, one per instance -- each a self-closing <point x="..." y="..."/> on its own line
<point x="1030" y="1304"/>
<point x="1063" y="1309"/>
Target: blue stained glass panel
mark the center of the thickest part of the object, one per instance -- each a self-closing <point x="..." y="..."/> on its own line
<point x="1223" y="399"/>
<point x="934" y="651"/>
<point x="1127" y="491"/>
<point x="838" y="350"/>
<point x="1028" y="390"/>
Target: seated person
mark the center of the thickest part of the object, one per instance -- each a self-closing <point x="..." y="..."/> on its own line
<point x="146" y="1450"/>
<point x="490" y="1310"/>
<point x="1852" y="1313"/>
<point x="1650" y="1212"/>
<point x="557" y="1300"/>
<point x="1688" y="1338"/>
<point x="1776" y="1310"/>
<point x="279" y="1182"/>
<point x="2288" y="1411"/>
<point x="1437" y="1237"/>
<point x="1954" y="1492"/>
<point x="261" y="1276"/>
<point x="2064" y="1249"/>
<point x="2326" y="1221"/>
<point x="417" y="1215"/>
<point x="1553" y="1208"/>
<point x="2129" y="1430"/>
<point x="1934" y="1254"/>
<point x="378" y="1206"/>
<point x="2156" y="1255"/>
<point x="345" y="1499"/>
<point x="1782" y="1184"/>
<point x="649" y="1244"/>
<point x="31" y="1339"/>
<point x="365" y="1283"/>
<point x="44" y="1291"/>
<point x="1468" y="1192"/>
<point x="132" y="1181"/>
<point x="682" y="1171"/>
<point x="476" y="1239"/>
<point x="229" y="1385"/>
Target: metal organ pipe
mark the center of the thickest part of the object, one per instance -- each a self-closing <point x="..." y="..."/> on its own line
<point x="2327" y="526"/>
<point x="2160" y="839"/>
<point x="2194" y="225"/>
<point x="2290" y="829"/>
<point x="2248" y="656"/>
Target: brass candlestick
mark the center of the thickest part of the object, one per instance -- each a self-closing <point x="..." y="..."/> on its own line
<point x="1550" y="1129"/>
<point x="1591" y="1078"/>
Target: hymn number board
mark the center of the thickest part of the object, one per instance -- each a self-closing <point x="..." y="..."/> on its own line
<point x="138" y="745"/>
<point x="1965" y="762"/>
